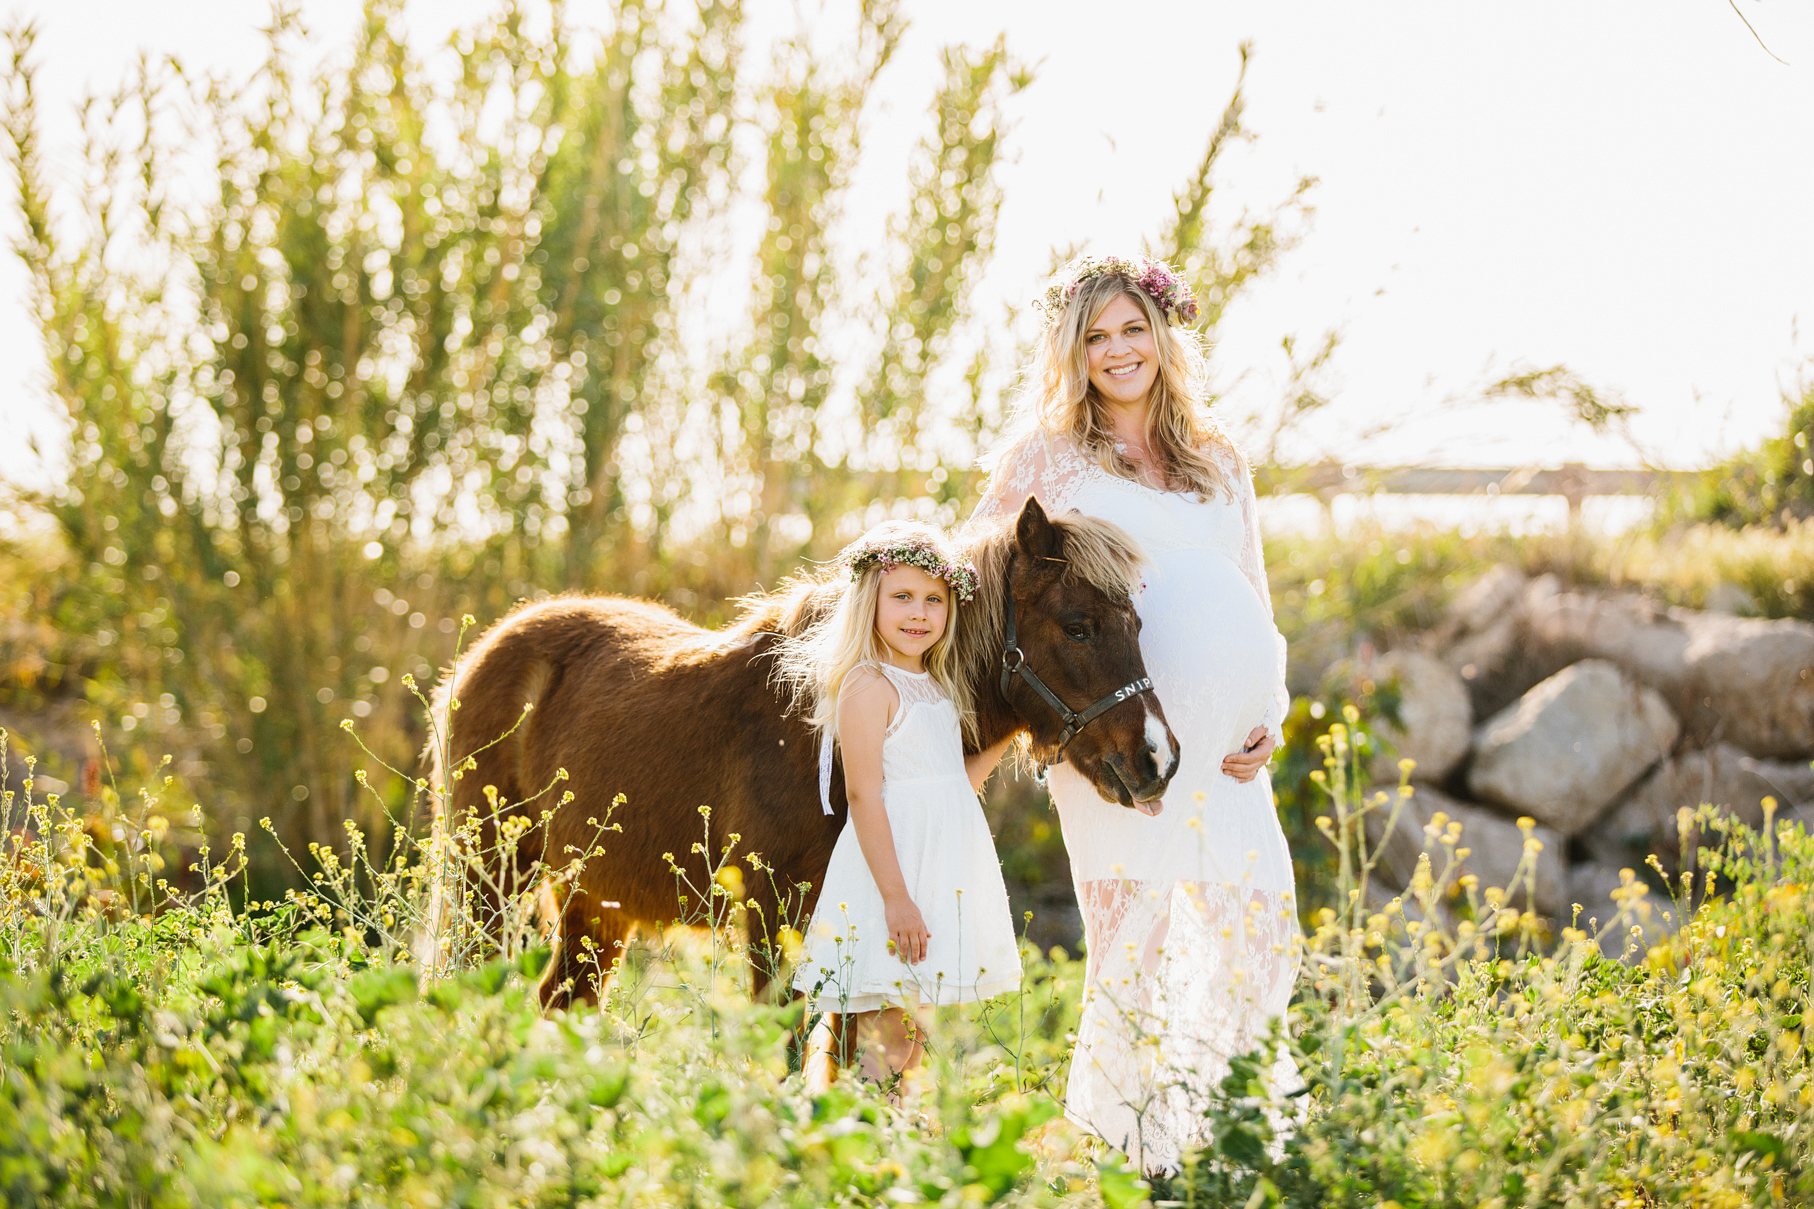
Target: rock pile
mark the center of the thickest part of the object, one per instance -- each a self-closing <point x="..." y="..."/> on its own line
<point x="1598" y="715"/>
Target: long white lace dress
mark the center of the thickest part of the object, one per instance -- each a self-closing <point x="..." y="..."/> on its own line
<point x="1190" y="917"/>
<point x="948" y="860"/>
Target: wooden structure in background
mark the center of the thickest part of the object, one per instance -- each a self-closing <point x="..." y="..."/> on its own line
<point x="1573" y="481"/>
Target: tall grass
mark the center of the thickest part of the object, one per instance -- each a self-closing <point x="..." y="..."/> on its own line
<point x="162" y="1046"/>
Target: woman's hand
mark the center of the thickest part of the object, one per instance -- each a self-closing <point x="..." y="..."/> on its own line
<point x="907" y="934"/>
<point x="1245" y="765"/>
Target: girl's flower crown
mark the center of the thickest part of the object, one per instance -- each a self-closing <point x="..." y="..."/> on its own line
<point x="891" y="552"/>
<point x="1156" y="279"/>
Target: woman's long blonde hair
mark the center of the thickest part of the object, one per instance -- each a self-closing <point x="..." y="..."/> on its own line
<point x="815" y="664"/>
<point x="1061" y="400"/>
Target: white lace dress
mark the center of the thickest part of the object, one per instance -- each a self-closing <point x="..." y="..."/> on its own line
<point x="1190" y="917"/>
<point x="948" y="861"/>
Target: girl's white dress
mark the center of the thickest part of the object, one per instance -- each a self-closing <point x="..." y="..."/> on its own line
<point x="1189" y="917"/>
<point x="948" y="860"/>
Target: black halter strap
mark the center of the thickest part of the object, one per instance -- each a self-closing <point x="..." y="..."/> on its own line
<point x="1014" y="664"/>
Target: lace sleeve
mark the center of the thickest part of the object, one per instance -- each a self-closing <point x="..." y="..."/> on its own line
<point x="1253" y="566"/>
<point x="1033" y="464"/>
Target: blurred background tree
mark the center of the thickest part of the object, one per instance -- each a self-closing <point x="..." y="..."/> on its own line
<point x="421" y="344"/>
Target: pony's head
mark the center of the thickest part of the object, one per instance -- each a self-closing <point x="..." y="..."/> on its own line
<point x="1070" y="579"/>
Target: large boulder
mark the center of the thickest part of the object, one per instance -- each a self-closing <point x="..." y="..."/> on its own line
<point x="1482" y="602"/>
<point x="1754" y="681"/>
<point x="1566" y="750"/>
<point x="1484" y="638"/>
<point x="1495" y="846"/>
<point x="1720" y="775"/>
<point x="1744" y="680"/>
<point x="1433" y="709"/>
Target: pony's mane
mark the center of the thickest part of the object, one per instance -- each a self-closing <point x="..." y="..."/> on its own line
<point x="1095" y="551"/>
<point x="790" y="610"/>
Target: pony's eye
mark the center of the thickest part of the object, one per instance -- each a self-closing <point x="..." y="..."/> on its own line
<point x="1077" y="632"/>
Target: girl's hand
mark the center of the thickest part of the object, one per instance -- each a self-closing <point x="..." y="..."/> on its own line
<point x="1245" y="765"/>
<point x="907" y="934"/>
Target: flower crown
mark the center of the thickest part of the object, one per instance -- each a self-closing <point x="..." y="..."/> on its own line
<point x="1156" y="279"/>
<point x="891" y="552"/>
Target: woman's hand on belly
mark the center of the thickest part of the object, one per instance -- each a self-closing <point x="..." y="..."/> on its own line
<point x="1245" y="765"/>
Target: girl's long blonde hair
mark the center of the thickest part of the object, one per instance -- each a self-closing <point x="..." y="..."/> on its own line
<point x="815" y="664"/>
<point x="1061" y="400"/>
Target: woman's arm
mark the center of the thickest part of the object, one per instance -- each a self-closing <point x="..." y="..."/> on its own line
<point x="866" y="703"/>
<point x="1258" y="749"/>
<point x="980" y="765"/>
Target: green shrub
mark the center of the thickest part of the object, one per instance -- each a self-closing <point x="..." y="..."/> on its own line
<point x="1772" y="484"/>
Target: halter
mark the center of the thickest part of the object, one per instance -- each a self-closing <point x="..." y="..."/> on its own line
<point x="1014" y="663"/>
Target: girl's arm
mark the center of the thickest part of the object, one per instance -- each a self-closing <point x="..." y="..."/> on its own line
<point x="980" y="765"/>
<point x="865" y="704"/>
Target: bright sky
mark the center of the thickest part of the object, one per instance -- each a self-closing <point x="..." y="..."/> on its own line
<point x="1620" y="185"/>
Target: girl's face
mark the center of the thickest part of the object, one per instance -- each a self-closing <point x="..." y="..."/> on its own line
<point x="1124" y="356"/>
<point x="911" y="612"/>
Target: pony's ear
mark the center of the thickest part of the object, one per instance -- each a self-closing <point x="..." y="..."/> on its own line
<point x="1034" y="533"/>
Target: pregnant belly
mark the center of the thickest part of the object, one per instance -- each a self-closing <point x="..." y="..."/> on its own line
<point x="1210" y="649"/>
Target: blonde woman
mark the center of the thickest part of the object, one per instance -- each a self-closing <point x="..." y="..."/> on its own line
<point x="1188" y="905"/>
<point x="913" y="911"/>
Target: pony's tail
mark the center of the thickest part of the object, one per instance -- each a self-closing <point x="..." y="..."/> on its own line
<point x="499" y="677"/>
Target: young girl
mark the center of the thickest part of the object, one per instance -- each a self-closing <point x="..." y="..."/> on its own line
<point x="913" y="910"/>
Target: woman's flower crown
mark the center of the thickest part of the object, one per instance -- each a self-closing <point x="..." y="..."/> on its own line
<point x="891" y="552"/>
<point x="1156" y="279"/>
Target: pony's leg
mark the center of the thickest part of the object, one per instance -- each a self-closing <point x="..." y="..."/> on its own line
<point x="577" y="969"/>
<point x="830" y="1048"/>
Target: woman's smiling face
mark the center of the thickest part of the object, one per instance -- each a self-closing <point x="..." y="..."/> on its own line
<point x="1124" y="357"/>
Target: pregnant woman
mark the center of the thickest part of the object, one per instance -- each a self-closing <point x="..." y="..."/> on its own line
<point x="1188" y="906"/>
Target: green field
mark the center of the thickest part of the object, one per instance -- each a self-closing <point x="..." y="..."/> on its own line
<point x="159" y="1048"/>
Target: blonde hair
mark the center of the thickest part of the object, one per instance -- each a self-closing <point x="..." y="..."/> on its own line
<point x="815" y="664"/>
<point x="1060" y="398"/>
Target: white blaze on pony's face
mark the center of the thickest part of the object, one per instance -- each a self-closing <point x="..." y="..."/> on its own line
<point x="912" y="610"/>
<point x="1123" y="354"/>
<point x="1159" y="738"/>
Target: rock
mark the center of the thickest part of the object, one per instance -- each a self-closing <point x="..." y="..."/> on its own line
<point x="1720" y="775"/>
<point x="1744" y="680"/>
<point x="1433" y="707"/>
<point x="1495" y="846"/>
<point x="1624" y="629"/>
<point x="1566" y="750"/>
<point x="1592" y="886"/>
<point x="1728" y="598"/>
<point x="1754" y="681"/>
<point x="1496" y="660"/>
<point x="1486" y="599"/>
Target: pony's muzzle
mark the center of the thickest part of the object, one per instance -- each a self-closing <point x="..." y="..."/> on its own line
<point x="1141" y="778"/>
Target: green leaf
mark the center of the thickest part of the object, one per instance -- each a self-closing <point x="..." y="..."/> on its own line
<point x="533" y="962"/>
<point x="375" y="990"/>
<point x="1121" y="1185"/>
<point x="1763" y="1145"/>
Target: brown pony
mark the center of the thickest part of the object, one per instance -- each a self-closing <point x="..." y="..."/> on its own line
<point x="631" y="699"/>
